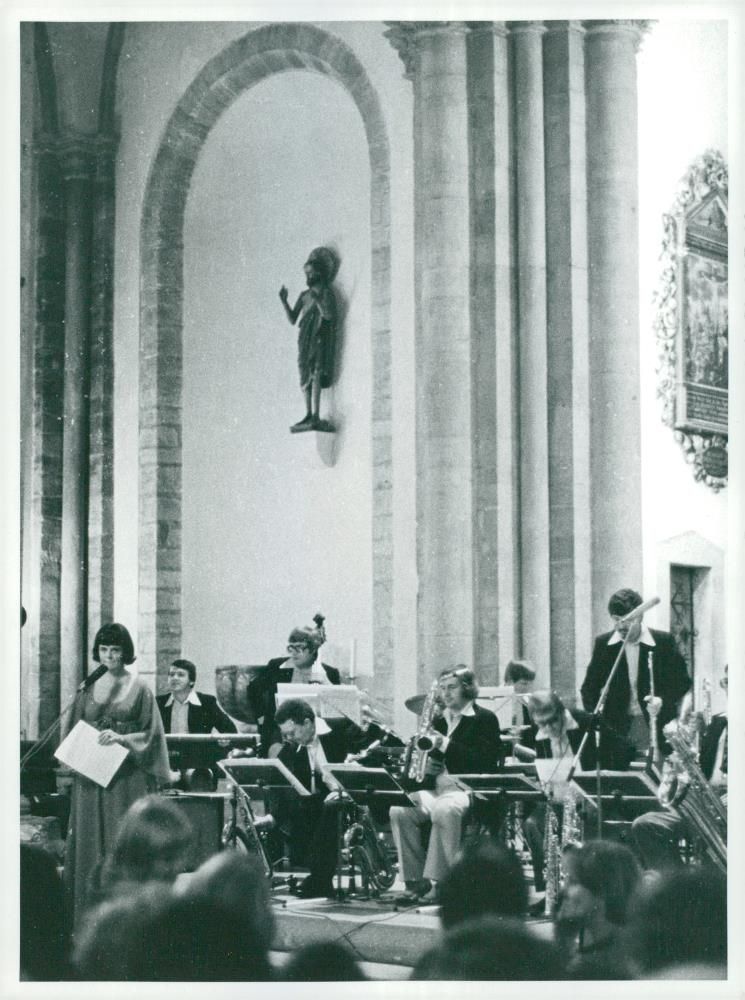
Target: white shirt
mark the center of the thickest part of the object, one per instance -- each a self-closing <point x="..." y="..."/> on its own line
<point x="719" y="777"/>
<point x="316" y="675"/>
<point x="316" y="754"/>
<point x="632" y="659"/>
<point x="180" y="711"/>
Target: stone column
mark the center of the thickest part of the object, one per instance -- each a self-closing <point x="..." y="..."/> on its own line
<point x="568" y="402"/>
<point x="494" y="364"/>
<point x="612" y="198"/>
<point x="435" y="53"/>
<point x="101" y="471"/>
<point x="77" y="162"/>
<point x="527" y="37"/>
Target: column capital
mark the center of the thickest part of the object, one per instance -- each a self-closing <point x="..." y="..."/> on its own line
<point x="527" y="27"/>
<point x="554" y="27"/>
<point x="78" y="155"/>
<point x="635" y="29"/>
<point x="405" y="37"/>
<point x="497" y="28"/>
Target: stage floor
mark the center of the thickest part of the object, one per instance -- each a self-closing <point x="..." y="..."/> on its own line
<point x="375" y="931"/>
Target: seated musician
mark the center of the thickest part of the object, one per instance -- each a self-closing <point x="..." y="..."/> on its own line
<point x="302" y="666"/>
<point x="655" y="836"/>
<point x="309" y="743"/>
<point x="466" y="740"/>
<point x="558" y="733"/>
<point x="185" y="710"/>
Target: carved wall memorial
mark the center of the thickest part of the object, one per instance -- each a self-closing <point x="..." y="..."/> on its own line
<point x="692" y="319"/>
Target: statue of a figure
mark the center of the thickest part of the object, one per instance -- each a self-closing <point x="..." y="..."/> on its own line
<point x="316" y="307"/>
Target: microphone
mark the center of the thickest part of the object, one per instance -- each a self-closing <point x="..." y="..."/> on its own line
<point x="92" y="678"/>
<point x="637" y="613"/>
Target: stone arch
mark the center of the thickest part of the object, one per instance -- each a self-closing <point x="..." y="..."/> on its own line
<point x="254" y="57"/>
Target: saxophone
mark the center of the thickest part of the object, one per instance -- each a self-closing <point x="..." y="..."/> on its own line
<point x="684" y="787"/>
<point x="417" y="752"/>
<point x="552" y="855"/>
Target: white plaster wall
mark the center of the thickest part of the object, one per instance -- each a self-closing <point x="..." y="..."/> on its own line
<point x="158" y="62"/>
<point x="682" y="112"/>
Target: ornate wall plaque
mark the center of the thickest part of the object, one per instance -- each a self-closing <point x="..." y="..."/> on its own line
<point x="692" y="319"/>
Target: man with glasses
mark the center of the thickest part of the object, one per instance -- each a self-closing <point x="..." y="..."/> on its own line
<point x="301" y="666"/>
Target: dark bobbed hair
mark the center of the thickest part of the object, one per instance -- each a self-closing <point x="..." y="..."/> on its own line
<point x="623" y="601"/>
<point x="189" y="667"/>
<point x="296" y="710"/>
<point x="487" y="880"/>
<point x="114" y="634"/>
<point x="465" y="677"/>
<point x="611" y="872"/>
<point x="519" y="670"/>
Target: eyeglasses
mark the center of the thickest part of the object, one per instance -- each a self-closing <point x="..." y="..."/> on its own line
<point x="296" y="647"/>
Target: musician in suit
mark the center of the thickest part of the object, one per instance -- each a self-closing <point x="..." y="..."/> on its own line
<point x="630" y="702"/>
<point x="185" y="710"/>
<point x="655" y="835"/>
<point x="308" y="743"/>
<point x="466" y="740"/>
<point x="301" y="666"/>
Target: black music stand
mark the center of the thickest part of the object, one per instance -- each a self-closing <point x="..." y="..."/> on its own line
<point x="363" y="785"/>
<point x="261" y="772"/>
<point x="631" y="793"/>
<point x="513" y="785"/>
<point x="202" y="751"/>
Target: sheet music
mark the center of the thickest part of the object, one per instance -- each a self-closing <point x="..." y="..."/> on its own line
<point x="553" y="774"/>
<point x="81" y="751"/>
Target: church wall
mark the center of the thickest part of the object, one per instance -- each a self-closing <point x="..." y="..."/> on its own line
<point x="682" y="113"/>
<point x="294" y="565"/>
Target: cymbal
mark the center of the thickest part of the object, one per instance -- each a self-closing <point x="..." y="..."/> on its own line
<point x="415" y="704"/>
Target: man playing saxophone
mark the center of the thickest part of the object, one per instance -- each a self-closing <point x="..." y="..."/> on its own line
<point x="655" y="835"/>
<point x="465" y="739"/>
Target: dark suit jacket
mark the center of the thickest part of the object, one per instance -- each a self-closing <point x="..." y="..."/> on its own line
<point x="671" y="681"/>
<point x="475" y="746"/>
<point x="345" y="737"/>
<point x="202" y="718"/>
<point x="709" y="744"/>
<point x="615" y="753"/>
<point x="262" y="693"/>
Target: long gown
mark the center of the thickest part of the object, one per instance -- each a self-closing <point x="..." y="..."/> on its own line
<point x="96" y="812"/>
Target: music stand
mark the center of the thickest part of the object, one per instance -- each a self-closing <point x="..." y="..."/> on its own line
<point x="187" y="750"/>
<point x="633" y="792"/>
<point x="362" y="785"/>
<point x="516" y="785"/>
<point x="261" y="772"/>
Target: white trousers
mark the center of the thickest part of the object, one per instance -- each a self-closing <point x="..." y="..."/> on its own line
<point x="445" y="812"/>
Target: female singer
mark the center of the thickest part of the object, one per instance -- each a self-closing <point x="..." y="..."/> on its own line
<point x="124" y="711"/>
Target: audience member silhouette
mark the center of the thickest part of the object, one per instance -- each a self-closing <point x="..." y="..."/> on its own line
<point x="44" y="927"/>
<point x="487" y="880"/>
<point x="491" y="948"/>
<point x="322" y="962"/>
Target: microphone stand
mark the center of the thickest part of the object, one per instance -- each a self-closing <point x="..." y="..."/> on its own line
<point x="596" y="718"/>
<point x="38" y="746"/>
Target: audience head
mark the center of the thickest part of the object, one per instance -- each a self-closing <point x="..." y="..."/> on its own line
<point x="114" y="635"/>
<point x="487" y="880"/>
<point x="520" y="674"/>
<point x="602" y="878"/>
<point x="236" y="882"/>
<point x="491" y="948"/>
<point x="322" y="962"/>
<point x="680" y="919"/>
<point x="44" y="930"/>
<point x="155" y="841"/>
<point x="107" y="942"/>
